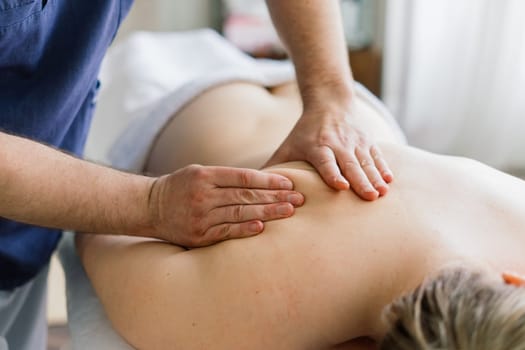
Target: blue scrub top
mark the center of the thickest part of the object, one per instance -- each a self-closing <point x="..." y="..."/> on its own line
<point x="50" y="55"/>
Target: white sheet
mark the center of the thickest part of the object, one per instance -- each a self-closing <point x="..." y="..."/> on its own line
<point x="150" y="76"/>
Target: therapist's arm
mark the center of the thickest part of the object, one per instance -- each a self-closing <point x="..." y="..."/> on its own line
<point x="325" y="134"/>
<point x="194" y="206"/>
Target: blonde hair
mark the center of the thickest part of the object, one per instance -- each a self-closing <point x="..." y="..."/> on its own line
<point x="458" y="310"/>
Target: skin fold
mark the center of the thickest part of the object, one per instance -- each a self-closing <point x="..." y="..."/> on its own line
<point x="317" y="280"/>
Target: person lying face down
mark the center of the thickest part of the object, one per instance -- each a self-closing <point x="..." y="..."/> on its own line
<point x="420" y="268"/>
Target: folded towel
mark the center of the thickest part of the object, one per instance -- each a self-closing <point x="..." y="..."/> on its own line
<point x="150" y="76"/>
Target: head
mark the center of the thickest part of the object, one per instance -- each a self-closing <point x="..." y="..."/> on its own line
<point x="459" y="309"/>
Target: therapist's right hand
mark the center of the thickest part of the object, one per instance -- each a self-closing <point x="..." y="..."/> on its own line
<point x="200" y="205"/>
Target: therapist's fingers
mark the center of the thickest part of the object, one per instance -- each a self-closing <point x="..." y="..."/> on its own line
<point x="359" y="181"/>
<point x="185" y="204"/>
<point x="229" y="196"/>
<point x="324" y="160"/>
<point x="244" y="213"/>
<point x="381" y="164"/>
<point x="249" y="178"/>
<point x="369" y="168"/>
<point x="227" y="231"/>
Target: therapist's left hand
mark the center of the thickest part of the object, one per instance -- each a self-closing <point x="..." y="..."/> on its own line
<point x="344" y="156"/>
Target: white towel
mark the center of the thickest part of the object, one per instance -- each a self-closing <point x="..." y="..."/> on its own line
<point x="150" y="76"/>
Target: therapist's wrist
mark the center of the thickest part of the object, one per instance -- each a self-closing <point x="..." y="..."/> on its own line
<point x="330" y="100"/>
<point x="140" y="216"/>
<point x="329" y="94"/>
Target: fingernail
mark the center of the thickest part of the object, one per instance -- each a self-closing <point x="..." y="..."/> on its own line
<point x="380" y="184"/>
<point x="295" y="199"/>
<point x="284" y="210"/>
<point x="369" y="189"/>
<point x="340" y="179"/>
<point x="286" y="185"/>
<point x="342" y="183"/>
<point x="255" y="227"/>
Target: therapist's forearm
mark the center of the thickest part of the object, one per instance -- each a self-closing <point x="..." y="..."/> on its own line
<point x="313" y="33"/>
<point x="43" y="186"/>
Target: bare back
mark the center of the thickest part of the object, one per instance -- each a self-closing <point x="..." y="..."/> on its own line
<point x="317" y="279"/>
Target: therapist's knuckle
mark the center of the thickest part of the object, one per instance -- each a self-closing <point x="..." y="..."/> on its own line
<point x="268" y="211"/>
<point x="193" y="168"/>
<point x="325" y="139"/>
<point x="324" y="160"/>
<point x="346" y="139"/>
<point x="374" y="149"/>
<point x="245" y="178"/>
<point x="222" y="232"/>
<point x="275" y="181"/>
<point x="353" y="142"/>
<point x="364" y="145"/>
<point x="247" y="196"/>
<point x="198" y="172"/>
<point x="321" y="156"/>
<point x="368" y="164"/>
<point x="364" y="142"/>
<point x="280" y="196"/>
<point x="350" y="164"/>
<point x="237" y="213"/>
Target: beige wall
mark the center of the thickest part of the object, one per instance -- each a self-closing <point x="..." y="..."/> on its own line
<point x="169" y="15"/>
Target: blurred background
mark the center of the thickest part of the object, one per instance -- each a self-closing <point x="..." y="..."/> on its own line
<point x="451" y="71"/>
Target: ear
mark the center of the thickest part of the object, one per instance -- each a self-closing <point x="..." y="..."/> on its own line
<point x="513" y="279"/>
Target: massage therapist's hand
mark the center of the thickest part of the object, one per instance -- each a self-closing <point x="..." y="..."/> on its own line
<point x="326" y="136"/>
<point x="343" y="155"/>
<point x="198" y="206"/>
